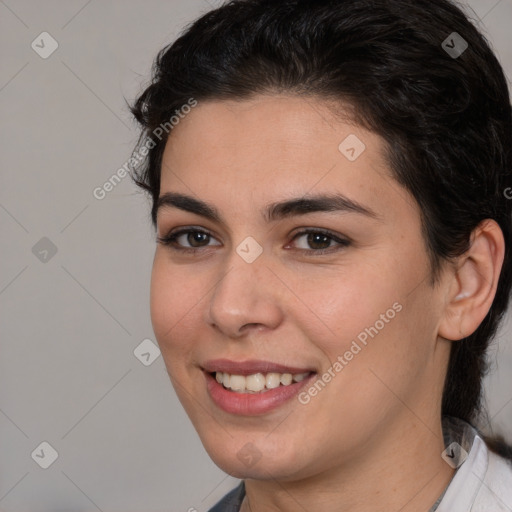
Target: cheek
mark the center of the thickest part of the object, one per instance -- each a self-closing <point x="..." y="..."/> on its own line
<point x="345" y="305"/>
<point x="374" y="319"/>
<point x="174" y="301"/>
<point x="386" y="354"/>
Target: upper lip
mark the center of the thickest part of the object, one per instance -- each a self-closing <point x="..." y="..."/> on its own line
<point x="250" y="367"/>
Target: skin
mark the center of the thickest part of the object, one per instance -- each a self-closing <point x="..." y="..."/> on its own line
<point x="371" y="440"/>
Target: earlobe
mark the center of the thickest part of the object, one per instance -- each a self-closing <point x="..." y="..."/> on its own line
<point x="473" y="283"/>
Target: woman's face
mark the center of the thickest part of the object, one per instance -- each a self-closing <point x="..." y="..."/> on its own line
<point x="350" y="304"/>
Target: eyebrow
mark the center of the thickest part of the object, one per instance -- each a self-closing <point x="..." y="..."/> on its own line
<point x="272" y="212"/>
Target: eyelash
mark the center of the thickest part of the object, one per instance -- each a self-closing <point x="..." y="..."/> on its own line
<point x="170" y="240"/>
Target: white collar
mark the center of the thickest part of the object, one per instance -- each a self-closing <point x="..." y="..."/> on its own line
<point x="483" y="482"/>
<point x="465" y="485"/>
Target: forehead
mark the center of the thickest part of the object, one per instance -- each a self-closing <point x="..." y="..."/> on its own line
<point x="249" y="152"/>
<point x="288" y="123"/>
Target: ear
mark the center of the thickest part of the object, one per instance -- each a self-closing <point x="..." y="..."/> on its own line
<point x="472" y="286"/>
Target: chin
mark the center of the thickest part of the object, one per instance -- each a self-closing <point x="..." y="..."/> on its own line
<point x="242" y="458"/>
<point x="260" y="470"/>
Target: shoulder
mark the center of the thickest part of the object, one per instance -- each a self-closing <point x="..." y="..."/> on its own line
<point x="232" y="501"/>
<point x="496" y="488"/>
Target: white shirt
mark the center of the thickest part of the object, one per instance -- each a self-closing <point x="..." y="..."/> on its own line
<point x="483" y="482"/>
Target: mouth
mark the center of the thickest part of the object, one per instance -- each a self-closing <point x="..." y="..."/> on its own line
<point x="253" y="387"/>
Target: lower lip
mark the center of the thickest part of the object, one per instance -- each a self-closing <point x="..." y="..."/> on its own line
<point x="252" y="404"/>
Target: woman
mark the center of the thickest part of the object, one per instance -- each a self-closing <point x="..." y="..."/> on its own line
<point x="333" y="251"/>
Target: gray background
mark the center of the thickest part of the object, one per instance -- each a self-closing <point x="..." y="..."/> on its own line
<point x="71" y="321"/>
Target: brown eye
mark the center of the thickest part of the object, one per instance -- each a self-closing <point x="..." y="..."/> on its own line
<point x="194" y="237"/>
<point x="319" y="241"/>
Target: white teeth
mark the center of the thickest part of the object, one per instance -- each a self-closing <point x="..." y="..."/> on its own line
<point x="237" y="382"/>
<point x="273" y="380"/>
<point x="258" y="381"/>
<point x="286" y="379"/>
<point x="255" y="382"/>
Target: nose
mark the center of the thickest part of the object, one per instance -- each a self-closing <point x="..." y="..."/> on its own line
<point x="245" y="298"/>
